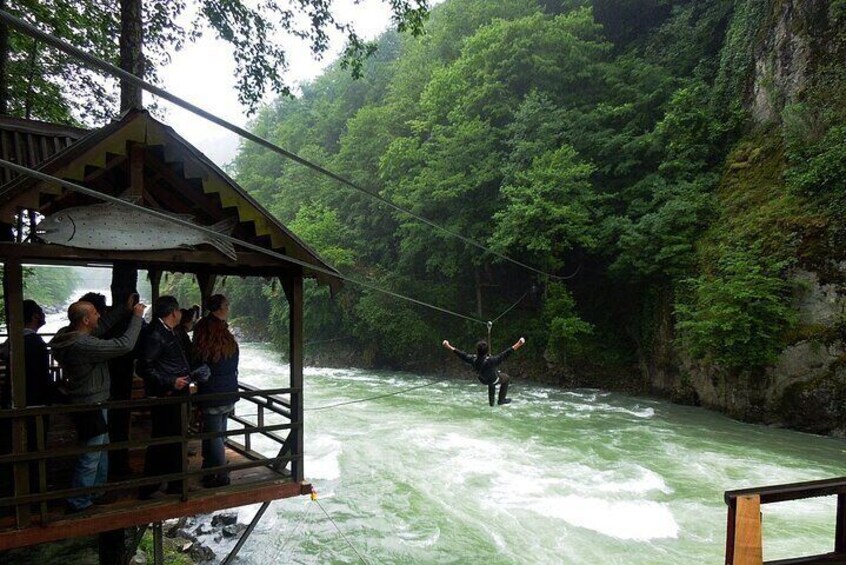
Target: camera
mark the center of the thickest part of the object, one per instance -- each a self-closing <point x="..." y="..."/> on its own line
<point x="200" y="375"/>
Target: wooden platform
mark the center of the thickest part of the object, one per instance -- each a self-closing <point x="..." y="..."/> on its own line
<point x="249" y="486"/>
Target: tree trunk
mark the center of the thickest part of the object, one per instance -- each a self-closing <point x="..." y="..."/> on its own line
<point x="29" y="99"/>
<point x="4" y="59"/>
<point x="131" y="52"/>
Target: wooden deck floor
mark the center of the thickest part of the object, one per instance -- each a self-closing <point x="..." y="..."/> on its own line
<point x="248" y="486"/>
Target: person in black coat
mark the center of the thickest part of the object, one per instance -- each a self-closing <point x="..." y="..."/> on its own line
<point x="486" y="367"/>
<point x="165" y="370"/>
<point x="39" y="389"/>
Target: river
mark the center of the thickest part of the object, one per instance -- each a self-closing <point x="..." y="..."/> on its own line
<point x="560" y="476"/>
<point x="435" y="475"/>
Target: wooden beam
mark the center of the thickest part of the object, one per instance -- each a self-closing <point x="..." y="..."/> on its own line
<point x="177" y="260"/>
<point x="136" y="172"/>
<point x="840" y="527"/>
<point x="13" y="293"/>
<point x="134" y="513"/>
<point x="115" y="161"/>
<point x="189" y="193"/>
<point x="748" y="545"/>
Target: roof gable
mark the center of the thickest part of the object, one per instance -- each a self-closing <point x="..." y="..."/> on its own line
<point x="176" y="178"/>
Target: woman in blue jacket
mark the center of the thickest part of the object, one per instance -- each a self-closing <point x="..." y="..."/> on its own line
<point x="215" y="346"/>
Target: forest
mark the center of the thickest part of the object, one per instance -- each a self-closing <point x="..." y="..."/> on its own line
<point x="682" y="203"/>
<point x="624" y="158"/>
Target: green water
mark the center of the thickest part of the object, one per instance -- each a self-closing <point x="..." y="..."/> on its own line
<point x="437" y="476"/>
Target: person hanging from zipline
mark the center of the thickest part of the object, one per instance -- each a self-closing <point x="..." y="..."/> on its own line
<point x="486" y="366"/>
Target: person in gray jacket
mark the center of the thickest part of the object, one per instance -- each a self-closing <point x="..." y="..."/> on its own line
<point x="84" y="360"/>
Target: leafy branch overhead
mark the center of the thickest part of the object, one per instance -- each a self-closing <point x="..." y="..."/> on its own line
<point x="45" y="85"/>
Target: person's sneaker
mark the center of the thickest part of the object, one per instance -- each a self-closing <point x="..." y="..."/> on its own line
<point x="104" y="499"/>
<point x="216" y="481"/>
<point x="505" y="401"/>
<point x="75" y="511"/>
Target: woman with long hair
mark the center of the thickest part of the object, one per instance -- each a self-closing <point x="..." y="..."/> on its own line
<point x="215" y="346"/>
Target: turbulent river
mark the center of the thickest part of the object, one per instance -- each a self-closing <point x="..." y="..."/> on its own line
<point x="559" y="476"/>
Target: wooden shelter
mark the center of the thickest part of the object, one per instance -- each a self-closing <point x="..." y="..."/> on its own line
<point x="139" y="157"/>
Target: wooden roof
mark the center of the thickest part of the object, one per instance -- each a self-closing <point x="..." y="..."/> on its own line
<point x="30" y="142"/>
<point x="177" y="178"/>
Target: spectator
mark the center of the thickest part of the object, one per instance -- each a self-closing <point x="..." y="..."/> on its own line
<point x="165" y="370"/>
<point x="215" y="346"/>
<point x="84" y="360"/>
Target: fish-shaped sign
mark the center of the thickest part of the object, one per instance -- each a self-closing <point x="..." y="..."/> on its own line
<point x="109" y="226"/>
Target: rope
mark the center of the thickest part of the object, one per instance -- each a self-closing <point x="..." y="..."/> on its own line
<point x="363" y="560"/>
<point x="290" y="536"/>
<point x="327" y="341"/>
<point x="108" y="68"/>
<point x="373" y="397"/>
<point x="220" y="236"/>
<point x="510" y="308"/>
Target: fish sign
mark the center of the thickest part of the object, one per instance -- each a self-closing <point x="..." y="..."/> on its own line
<point x="109" y="226"/>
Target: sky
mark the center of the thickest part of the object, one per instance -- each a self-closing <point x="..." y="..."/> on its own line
<point x="202" y="73"/>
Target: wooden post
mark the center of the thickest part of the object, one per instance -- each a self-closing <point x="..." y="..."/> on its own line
<point x="13" y="292"/>
<point x="840" y="528"/>
<point x="747" y="543"/>
<point x="124" y="282"/>
<point x="158" y="549"/>
<point x="184" y="412"/>
<point x="155" y="283"/>
<point x="206" y="282"/>
<point x="293" y="287"/>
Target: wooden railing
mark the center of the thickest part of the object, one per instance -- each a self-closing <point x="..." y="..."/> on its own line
<point x="269" y="402"/>
<point x="744" y="544"/>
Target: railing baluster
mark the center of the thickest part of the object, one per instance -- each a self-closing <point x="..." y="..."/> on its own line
<point x="183" y="417"/>
<point x="40" y="434"/>
<point x="840" y="528"/>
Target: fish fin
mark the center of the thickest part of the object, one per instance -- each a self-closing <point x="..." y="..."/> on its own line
<point x="130" y="196"/>
<point x="224" y="227"/>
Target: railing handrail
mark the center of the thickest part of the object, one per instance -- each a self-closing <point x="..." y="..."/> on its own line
<point x="792" y="491"/>
<point x="140" y="402"/>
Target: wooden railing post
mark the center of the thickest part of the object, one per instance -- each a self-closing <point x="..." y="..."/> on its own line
<point x="840" y="528"/>
<point x="747" y="544"/>
<point x="13" y="292"/>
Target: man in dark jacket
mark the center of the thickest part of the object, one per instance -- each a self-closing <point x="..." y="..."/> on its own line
<point x="39" y="387"/>
<point x="486" y="366"/>
<point x="165" y="370"/>
<point x="84" y="360"/>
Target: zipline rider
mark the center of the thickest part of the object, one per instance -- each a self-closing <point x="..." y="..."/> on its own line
<point x="485" y="366"/>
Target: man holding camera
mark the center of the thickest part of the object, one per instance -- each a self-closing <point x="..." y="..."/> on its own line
<point x="165" y="370"/>
<point x="84" y="360"/>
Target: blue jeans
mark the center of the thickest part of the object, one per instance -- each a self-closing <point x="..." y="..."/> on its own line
<point x="91" y="469"/>
<point x="214" y="450"/>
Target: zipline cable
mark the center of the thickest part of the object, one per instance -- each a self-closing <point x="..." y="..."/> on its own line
<point x="115" y="71"/>
<point x="217" y="235"/>
<point x="510" y="308"/>
<point x="403" y="391"/>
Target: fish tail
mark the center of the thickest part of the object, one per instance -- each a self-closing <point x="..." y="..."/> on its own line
<point x="224" y="227"/>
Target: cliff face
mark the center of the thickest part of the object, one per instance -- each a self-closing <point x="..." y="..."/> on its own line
<point x="806" y="387"/>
